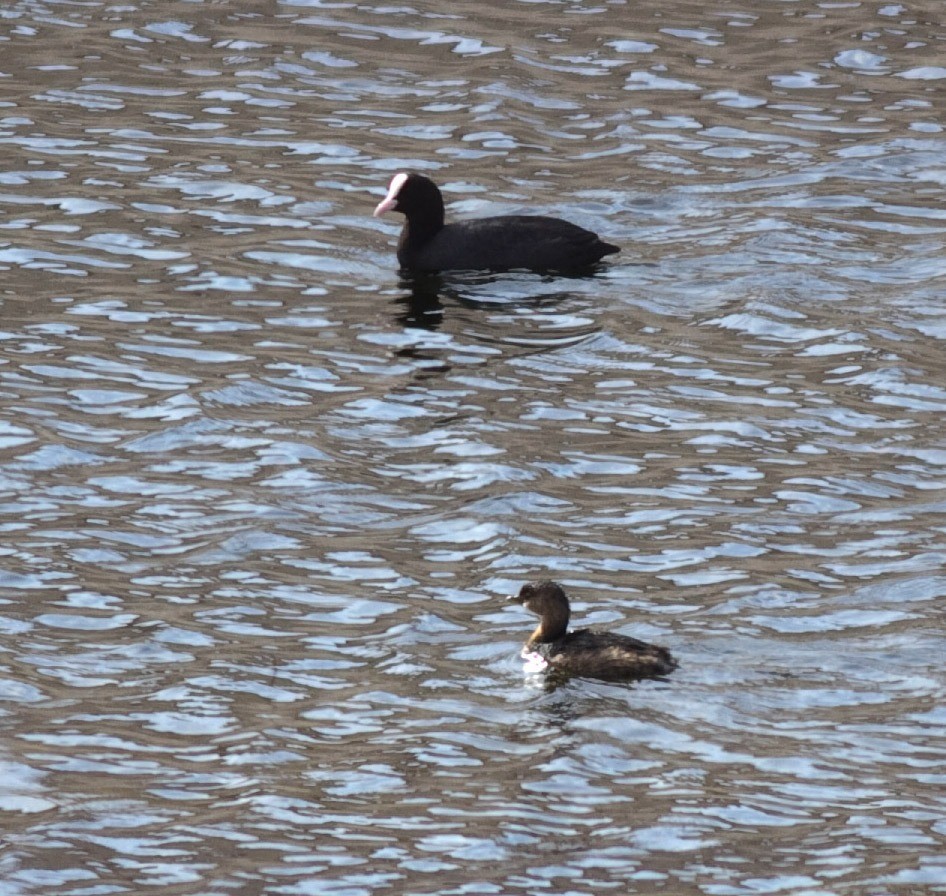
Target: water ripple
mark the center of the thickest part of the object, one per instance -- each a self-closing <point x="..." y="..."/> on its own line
<point x="264" y="495"/>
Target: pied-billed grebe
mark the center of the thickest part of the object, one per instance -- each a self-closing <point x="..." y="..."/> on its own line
<point x="585" y="653"/>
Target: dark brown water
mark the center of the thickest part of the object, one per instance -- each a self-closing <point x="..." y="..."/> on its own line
<point x="262" y="497"/>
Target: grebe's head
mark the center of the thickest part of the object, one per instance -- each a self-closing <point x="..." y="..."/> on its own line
<point x="549" y="602"/>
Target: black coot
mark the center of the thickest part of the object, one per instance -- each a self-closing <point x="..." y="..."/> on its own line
<point x="502" y="243"/>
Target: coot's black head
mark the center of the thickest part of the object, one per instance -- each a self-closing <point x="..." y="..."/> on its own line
<point x="548" y="601"/>
<point x="415" y="196"/>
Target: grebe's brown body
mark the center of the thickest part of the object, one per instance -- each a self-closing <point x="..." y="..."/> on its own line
<point x="586" y="653"/>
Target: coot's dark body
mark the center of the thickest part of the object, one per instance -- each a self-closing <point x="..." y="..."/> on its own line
<point x="586" y="653"/>
<point x="507" y="242"/>
<point x="530" y="242"/>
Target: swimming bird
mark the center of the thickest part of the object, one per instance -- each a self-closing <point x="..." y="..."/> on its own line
<point x="502" y="243"/>
<point x="584" y="653"/>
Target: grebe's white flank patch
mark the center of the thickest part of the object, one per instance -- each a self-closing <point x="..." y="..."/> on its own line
<point x="534" y="662"/>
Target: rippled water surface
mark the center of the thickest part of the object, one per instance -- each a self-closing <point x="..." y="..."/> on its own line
<point x="262" y="495"/>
